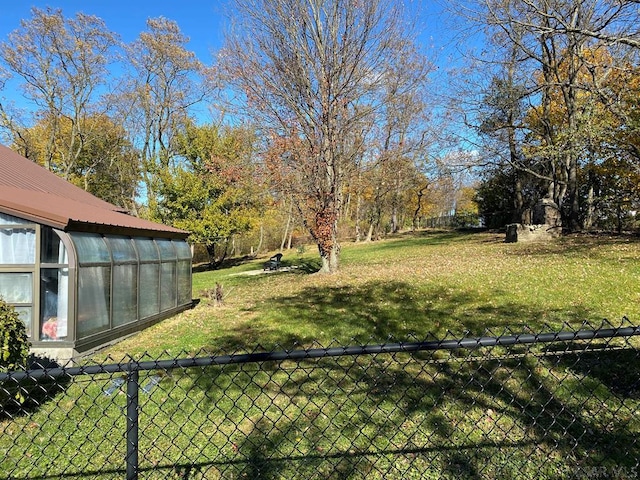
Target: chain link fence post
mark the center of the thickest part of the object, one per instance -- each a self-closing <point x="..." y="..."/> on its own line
<point x="132" y="425"/>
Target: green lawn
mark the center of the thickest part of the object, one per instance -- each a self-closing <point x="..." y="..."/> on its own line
<point x="409" y="286"/>
<point x="457" y="414"/>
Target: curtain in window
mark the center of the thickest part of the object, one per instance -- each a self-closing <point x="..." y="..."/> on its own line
<point x="16" y="287"/>
<point x="17" y="246"/>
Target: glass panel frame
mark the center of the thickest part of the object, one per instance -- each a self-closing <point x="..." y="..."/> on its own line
<point x="183" y="250"/>
<point x="149" y="292"/>
<point x="122" y="249"/>
<point x="167" y="251"/>
<point x="184" y="282"/>
<point x="147" y="250"/>
<point x="168" y="286"/>
<point x="94" y="300"/>
<point x="53" y="251"/>
<point x="54" y="303"/>
<point x="124" y="299"/>
<point x="91" y="248"/>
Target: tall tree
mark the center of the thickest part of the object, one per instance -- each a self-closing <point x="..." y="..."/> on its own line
<point x="554" y="37"/>
<point x="312" y="71"/>
<point x="212" y="192"/>
<point x="164" y="83"/>
<point x="106" y="166"/>
<point x="62" y="63"/>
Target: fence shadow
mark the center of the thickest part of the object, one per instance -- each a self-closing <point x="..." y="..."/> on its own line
<point x="448" y="409"/>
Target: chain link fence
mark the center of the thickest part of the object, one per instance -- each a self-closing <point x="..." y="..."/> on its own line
<point x="528" y="405"/>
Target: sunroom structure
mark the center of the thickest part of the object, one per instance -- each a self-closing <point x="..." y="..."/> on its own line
<point x="80" y="271"/>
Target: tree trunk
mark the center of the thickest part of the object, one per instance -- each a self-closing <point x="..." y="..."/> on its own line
<point x="416" y="214"/>
<point x="357" y="217"/>
<point x="260" y="240"/>
<point x="370" y="232"/>
<point x="588" y="220"/>
<point x="286" y="228"/>
<point x="211" y="252"/>
<point x="326" y="235"/>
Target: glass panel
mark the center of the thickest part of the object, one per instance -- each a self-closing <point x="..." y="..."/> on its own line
<point x="168" y="286"/>
<point x="11" y="220"/>
<point x="93" y="300"/>
<point x="25" y="315"/>
<point x="91" y="248"/>
<point x="184" y="283"/>
<point x="17" y="246"/>
<point x="167" y="252"/>
<point x="149" y="286"/>
<point x="52" y="250"/>
<point x="54" y="298"/>
<point x="125" y="294"/>
<point x="16" y="287"/>
<point x="122" y="249"/>
<point x="147" y="250"/>
<point x="183" y="249"/>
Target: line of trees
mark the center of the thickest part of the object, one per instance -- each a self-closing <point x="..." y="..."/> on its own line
<point x="328" y="125"/>
<point x="558" y="116"/>
<point x="320" y="119"/>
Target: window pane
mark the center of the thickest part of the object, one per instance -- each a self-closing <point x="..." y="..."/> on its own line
<point x="16" y="287"/>
<point x="183" y="249"/>
<point x="91" y="248"/>
<point x="93" y="300"/>
<point x="122" y="249"/>
<point x="168" y="286"/>
<point x="149" y="286"/>
<point x="167" y="252"/>
<point x="52" y="250"/>
<point x="147" y="250"/>
<point x="125" y="294"/>
<point x="11" y="220"/>
<point x="25" y="315"/>
<point x="54" y="298"/>
<point x="17" y="246"/>
<point x="184" y="283"/>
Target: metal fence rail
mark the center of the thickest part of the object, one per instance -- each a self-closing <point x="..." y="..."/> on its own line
<point x="548" y="405"/>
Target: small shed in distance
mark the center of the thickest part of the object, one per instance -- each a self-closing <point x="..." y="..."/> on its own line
<point x="80" y="271"/>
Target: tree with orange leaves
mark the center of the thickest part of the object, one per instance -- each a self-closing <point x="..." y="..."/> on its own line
<point x="312" y="75"/>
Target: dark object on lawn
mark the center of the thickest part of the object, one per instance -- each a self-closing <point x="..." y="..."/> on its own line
<point x="219" y="294"/>
<point x="274" y="262"/>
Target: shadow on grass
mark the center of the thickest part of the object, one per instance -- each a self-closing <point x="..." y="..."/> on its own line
<point x="473" y="414"/>
<point x="479" y="413"/>
<point x="27" y="396"/>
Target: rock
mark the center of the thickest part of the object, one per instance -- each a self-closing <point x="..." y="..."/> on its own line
<point x="517" y="232"/>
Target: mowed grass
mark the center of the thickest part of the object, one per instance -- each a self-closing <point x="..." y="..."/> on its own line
<point x="459" y="414"/>
<point x="408" y="287"/>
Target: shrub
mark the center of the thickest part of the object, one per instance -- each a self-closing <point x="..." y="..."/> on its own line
<point x="14" y="343"/>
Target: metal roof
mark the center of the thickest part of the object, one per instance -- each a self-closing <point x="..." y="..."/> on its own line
<point x="30" y="191"/>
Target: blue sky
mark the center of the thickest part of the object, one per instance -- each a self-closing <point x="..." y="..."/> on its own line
<point x="203" y="22"/>
<point x="200" y="20"/>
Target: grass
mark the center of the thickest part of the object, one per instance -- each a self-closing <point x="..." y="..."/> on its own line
<point x="468" y="415"/>
<point x="413" y="285"/>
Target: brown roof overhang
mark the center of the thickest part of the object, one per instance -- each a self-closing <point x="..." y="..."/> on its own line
<point x="73" y="216"/>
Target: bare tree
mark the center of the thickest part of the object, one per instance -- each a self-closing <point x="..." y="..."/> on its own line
<point x="315" y="70"/>
<point x="155" y="100"/>
<point x="554" y="38"/>
<point x="62" y="63"/>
